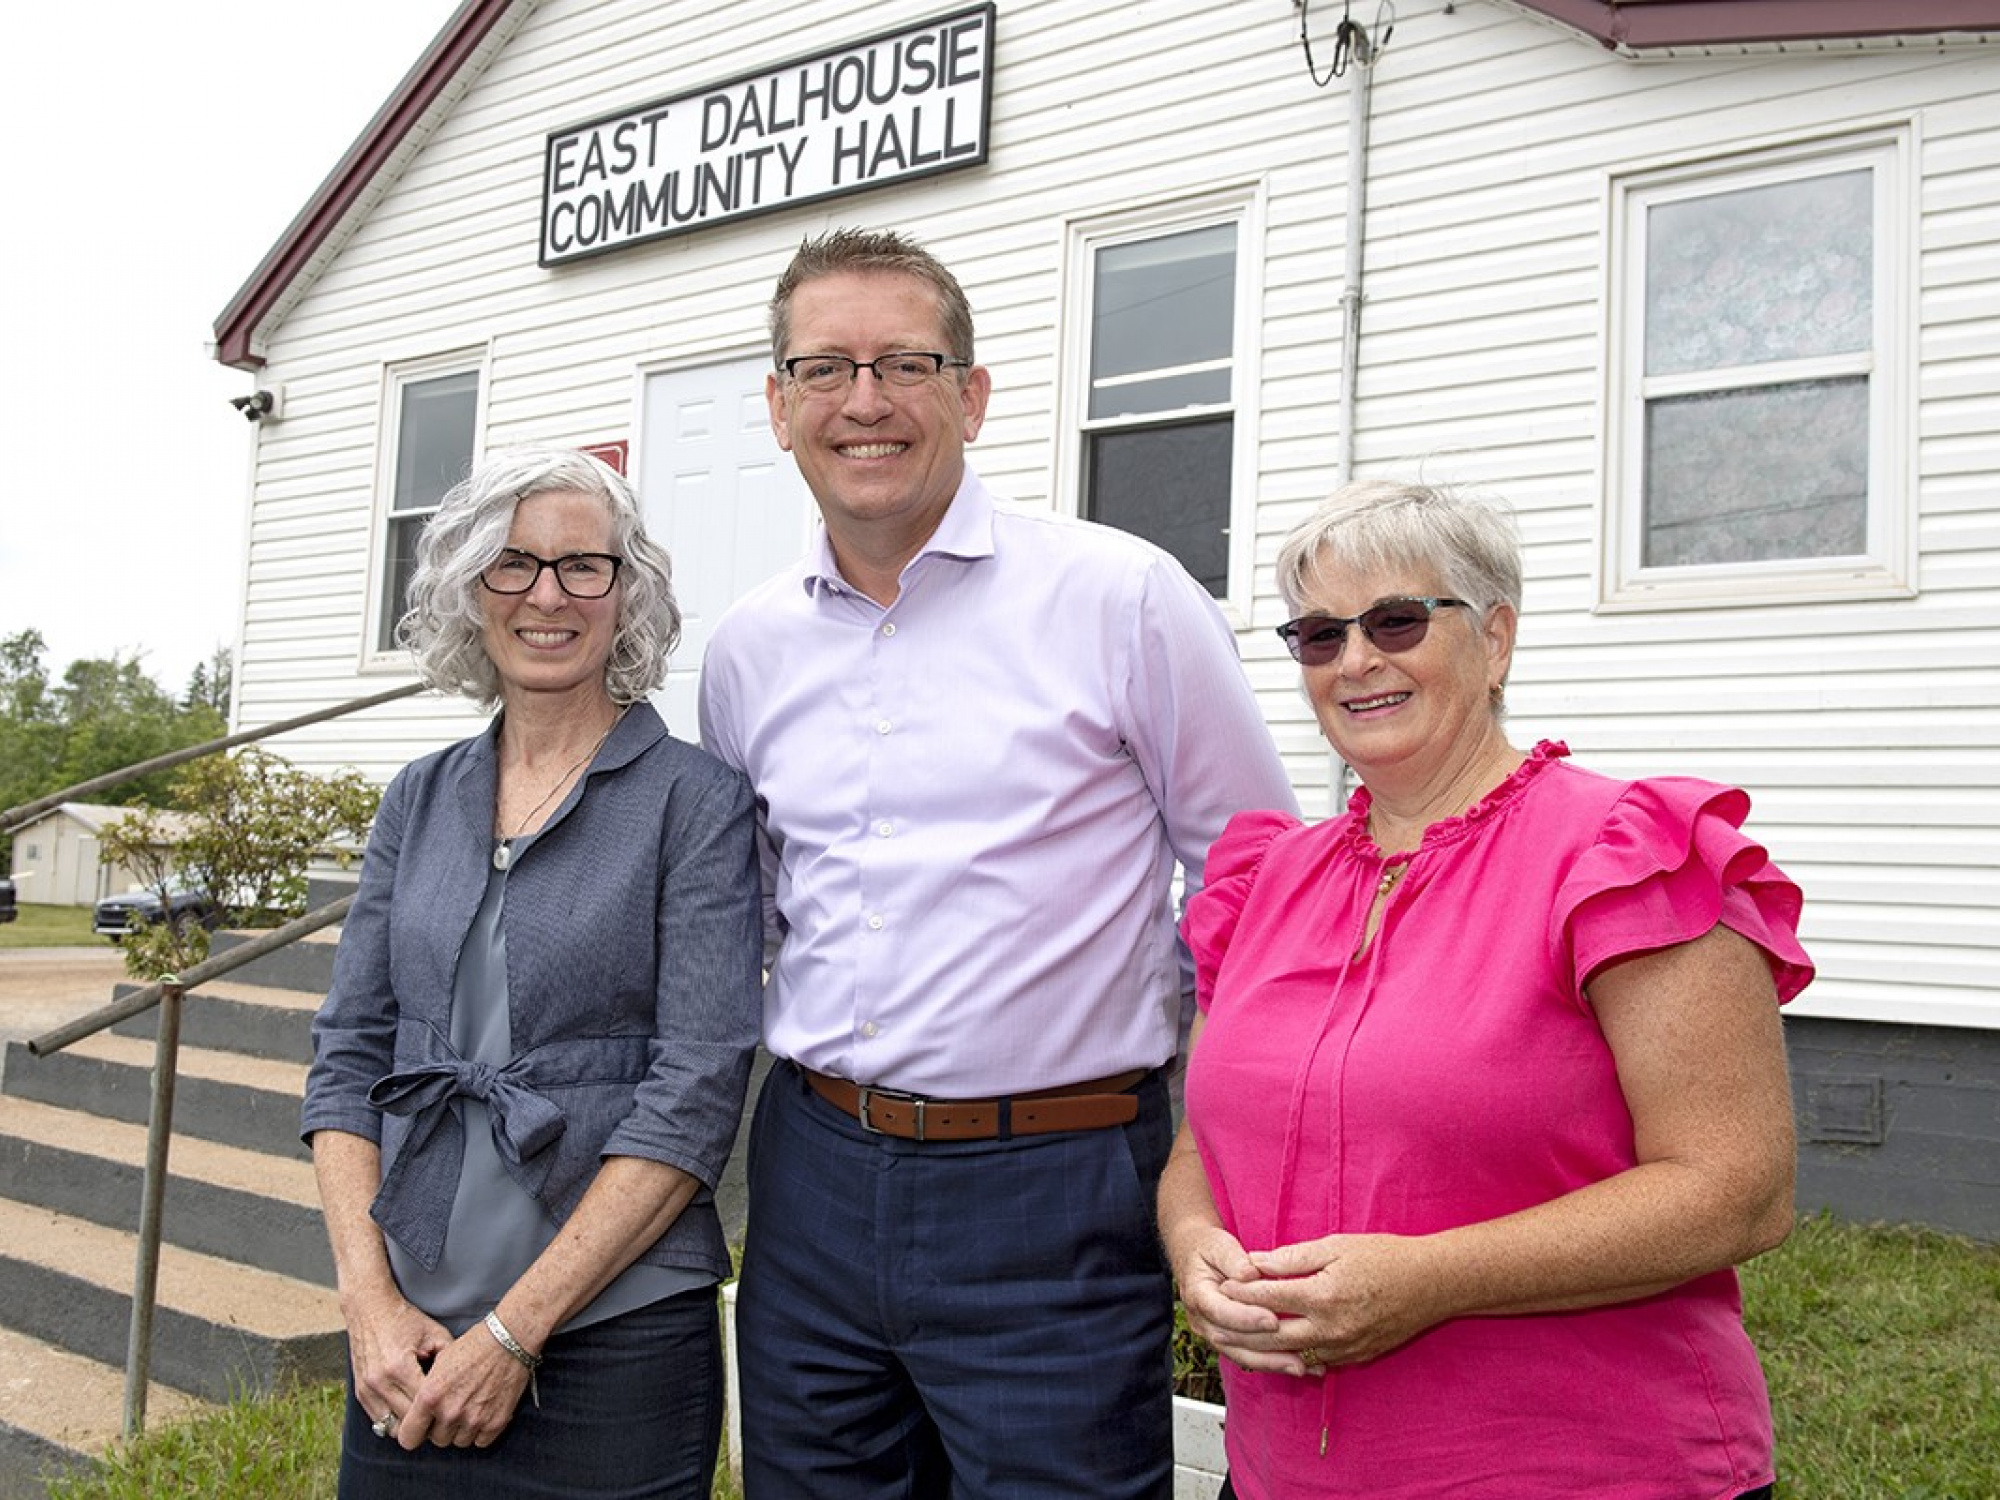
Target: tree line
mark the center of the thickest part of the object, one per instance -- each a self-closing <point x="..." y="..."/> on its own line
<point x="251" y="823"/>
<point x="102" y="714"/>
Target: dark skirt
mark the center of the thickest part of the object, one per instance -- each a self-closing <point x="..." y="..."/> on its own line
<point x="631" y="1410"/>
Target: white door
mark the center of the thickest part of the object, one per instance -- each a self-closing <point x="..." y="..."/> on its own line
<point x="722" y="497"/>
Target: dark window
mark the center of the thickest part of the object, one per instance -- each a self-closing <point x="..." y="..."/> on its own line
<point x="435" y="420"/>
<point x="1159" y="435"/>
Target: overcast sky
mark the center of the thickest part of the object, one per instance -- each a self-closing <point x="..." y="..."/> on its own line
<point x="159" y="151"/>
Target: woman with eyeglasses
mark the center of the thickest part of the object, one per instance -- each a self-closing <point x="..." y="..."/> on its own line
<point x="1488" y="1093"/>
<point x="530" y="1066"/>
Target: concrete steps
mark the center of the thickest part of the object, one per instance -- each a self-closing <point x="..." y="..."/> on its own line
<point x="61" y="1406"/>
<point x="236" y="1017"/>
<point x="220" y="1326"/>
<point x="245" y="1300"/>
<point x="223" y="1200"/>
<point x="251" y="1102"/>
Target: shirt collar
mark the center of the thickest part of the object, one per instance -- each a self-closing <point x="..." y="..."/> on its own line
<point x="964" y="531"/>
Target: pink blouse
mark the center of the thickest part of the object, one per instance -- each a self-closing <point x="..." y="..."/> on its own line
<point x="1455" y="1073"/>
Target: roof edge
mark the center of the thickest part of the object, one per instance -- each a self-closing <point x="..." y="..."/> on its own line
<point x="1646" y="25"/>
<point x="455" y="45"/>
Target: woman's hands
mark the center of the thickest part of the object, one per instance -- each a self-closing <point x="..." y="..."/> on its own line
<point x="468" y="1397"/>
<point x="1207" y="1263"/>
<point x="414" y="1380"/>
<point x="1299" y="1308"/>
<point x="426" y="1386"/>
<point x="390" y="1345"/>
<point x="1343" y="1299"/>
<point x="1293" y="1309"/>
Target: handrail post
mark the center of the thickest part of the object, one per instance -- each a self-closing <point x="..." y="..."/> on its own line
<point x="159" y="1136"/>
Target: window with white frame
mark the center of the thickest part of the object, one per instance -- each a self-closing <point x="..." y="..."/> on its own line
<point x="431" y="414"/>
<point x="1758" y="384"/>
<point x="1158" y="429"/>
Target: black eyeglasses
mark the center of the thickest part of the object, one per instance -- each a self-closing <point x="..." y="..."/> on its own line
<point x="823" y="374"/>
<point x="581" y="575"/>
<point x="1394" y="625"/>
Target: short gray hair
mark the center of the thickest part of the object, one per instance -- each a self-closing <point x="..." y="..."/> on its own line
<point x="443" y="626"/>
<point x="1470" y="543"/>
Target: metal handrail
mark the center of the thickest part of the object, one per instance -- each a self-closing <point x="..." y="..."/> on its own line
<point x="27" y="812"/>
<point x="170" y="992"/>
<point x="141" y="1001"/>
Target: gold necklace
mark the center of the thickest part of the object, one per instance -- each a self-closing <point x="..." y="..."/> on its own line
<point x="503" y="844"/>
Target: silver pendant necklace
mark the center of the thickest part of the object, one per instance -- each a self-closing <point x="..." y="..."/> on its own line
<point x="503" y="844"/>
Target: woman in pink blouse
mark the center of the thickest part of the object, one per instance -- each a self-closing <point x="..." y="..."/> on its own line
<point x="1489" y="1091"/>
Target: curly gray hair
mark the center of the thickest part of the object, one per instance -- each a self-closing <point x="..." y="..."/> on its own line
<point x="442" y="628"/>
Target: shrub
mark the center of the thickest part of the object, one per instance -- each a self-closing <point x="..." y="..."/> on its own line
<point x="257" y="822"/>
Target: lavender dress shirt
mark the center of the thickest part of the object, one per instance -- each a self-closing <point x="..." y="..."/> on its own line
<point x="972" y="802"/>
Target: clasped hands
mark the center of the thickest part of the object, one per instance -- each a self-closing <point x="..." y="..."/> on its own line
<point x="1299" y="1308"/>
<point x="420" y="1385"/>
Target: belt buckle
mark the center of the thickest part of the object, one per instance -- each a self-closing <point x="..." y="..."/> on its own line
<point x="866" y="1097"/>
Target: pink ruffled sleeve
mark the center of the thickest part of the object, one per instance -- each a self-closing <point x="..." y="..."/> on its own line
<point x="1233" y="861"/>
<point x="1670" y="862"/>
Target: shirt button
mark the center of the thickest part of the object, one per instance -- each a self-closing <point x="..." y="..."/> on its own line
<point x="875" y="921"/>
<point x="883" y="727"/>
<point x="869" y="1028"/>
<point x="890" y="628"/>
<point x="884" y="830"/>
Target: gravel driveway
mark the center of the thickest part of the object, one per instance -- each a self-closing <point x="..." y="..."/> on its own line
<point x="41" y="988"/>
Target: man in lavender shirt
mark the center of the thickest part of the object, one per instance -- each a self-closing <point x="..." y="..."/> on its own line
<point x="982" y="739"/>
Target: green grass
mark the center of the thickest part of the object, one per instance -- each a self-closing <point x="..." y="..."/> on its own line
<point x="282" y="1448"/>
<point x="50" y="927"/>
<point x="1882" y="1347"/>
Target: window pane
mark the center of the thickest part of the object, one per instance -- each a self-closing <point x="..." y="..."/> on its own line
<point x="1169" y="485"/>
<point x="1160" y="305"/>
<point x="434" y="439"/>
<point x="434" y="429"/>
<point x="1166" y="393"/>
<point x="1753" y="475"/>
<point x="399" y="563"/>
<point x="1767" y="273"/>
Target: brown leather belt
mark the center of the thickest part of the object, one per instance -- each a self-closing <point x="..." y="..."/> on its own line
<point x="1094" y="1105"/>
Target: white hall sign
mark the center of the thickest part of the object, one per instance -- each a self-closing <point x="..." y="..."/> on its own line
<point x="910" y="103"/>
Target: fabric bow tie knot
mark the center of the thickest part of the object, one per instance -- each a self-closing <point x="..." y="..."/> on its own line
<point x="414" y="1204"/>
<point x="524" y="1121"/>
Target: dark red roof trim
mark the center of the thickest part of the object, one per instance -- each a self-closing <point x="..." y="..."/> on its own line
<point x="453" y="47"/>
<point x="1649" y="25"/>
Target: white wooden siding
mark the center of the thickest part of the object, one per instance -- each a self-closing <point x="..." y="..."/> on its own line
<point x="1867" y="732"/>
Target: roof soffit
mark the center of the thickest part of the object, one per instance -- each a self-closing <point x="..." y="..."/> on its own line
<point x="1638" y="28"/>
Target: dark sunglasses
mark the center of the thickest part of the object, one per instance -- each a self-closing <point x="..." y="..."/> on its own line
<point x="1393" y="625"/>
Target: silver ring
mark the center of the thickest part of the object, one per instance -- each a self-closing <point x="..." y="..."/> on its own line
<point x="385" y="1425"/>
